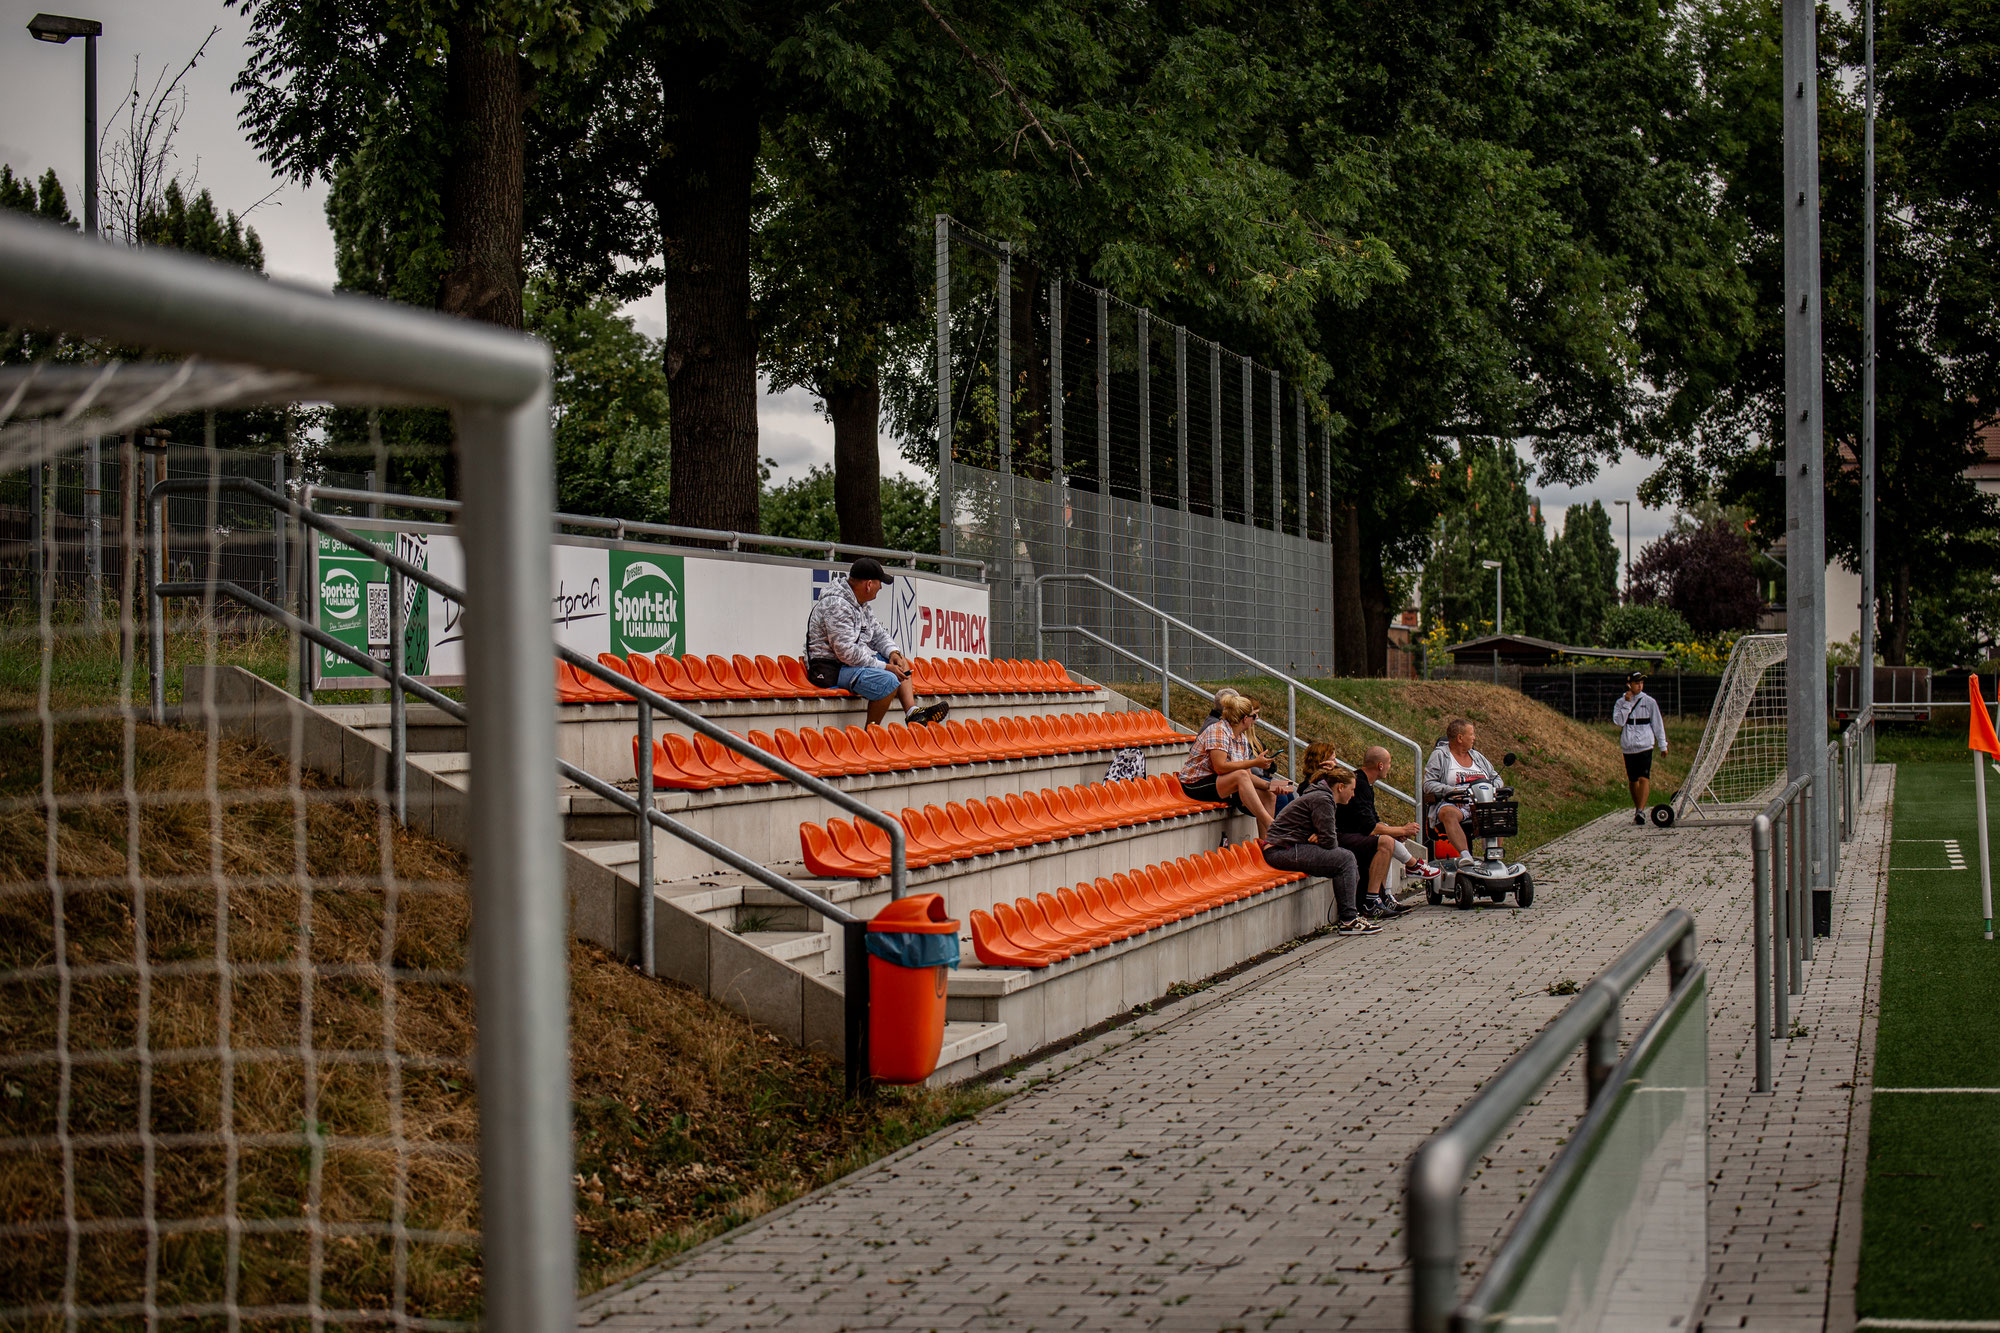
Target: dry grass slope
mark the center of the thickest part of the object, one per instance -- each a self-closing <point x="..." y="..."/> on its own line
<point x="275" y="915"/>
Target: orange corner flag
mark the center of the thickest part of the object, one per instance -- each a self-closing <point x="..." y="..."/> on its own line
<point x="1982" y="737"/>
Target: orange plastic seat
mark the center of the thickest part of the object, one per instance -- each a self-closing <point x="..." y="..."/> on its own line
<point x="822" y="858"/>
<point x="1014" y="920"/>
<point x="992" y="947"/>
<point x="1067" y="928"/>
<point x="921" y="845"/>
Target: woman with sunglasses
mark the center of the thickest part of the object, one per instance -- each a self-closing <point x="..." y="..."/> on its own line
<point x="1223" y="764"/>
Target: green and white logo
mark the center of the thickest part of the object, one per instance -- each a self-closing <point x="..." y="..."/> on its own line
<point x="340" y="595"/>
<point x="646" y="603"/>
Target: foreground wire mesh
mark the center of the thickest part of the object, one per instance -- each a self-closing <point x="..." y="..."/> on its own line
<point x="1742" y="758"/>
<point x="235" y="1026"/>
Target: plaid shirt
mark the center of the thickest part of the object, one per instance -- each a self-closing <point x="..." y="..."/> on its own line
<point x="1216" y="736"/>
<point x="842" y="628"/>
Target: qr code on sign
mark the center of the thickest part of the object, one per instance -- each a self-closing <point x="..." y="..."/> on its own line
<point x="378" y="615"/>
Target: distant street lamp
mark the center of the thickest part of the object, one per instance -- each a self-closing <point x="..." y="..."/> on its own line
<point x="1498" y="604"/>
<point x="1628" y="548"/>
<point x="58" y="29"/>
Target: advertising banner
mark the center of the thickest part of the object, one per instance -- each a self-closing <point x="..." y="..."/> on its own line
<point x="620" y="599"/>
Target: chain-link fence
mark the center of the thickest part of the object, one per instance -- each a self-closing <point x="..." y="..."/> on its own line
<point x="245" y="1075"/>
<point x="1087" y="437"/>
<point x="69" y="514"/>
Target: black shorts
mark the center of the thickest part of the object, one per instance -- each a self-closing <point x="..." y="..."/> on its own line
<point x="1203" y="789"/>
<point x="1639" y="765"/>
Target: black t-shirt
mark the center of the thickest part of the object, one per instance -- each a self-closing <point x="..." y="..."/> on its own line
<point x="1358" y="815"/>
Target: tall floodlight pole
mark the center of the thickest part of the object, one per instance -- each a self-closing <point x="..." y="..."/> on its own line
<point x="1866" y="666"/>
<point x="59" y="29"/>
<point x="1628" y="548"/>
<point x="1805" y="484"/>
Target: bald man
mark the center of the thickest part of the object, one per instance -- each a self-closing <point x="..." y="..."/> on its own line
<point x="1358" y="816"/>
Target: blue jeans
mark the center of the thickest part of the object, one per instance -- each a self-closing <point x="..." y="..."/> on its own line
<point x="870" y="682"/>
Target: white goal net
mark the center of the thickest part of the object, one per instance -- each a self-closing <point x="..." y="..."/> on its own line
<point x="1742" y="758"/>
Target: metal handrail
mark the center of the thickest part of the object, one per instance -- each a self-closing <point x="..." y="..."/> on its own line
<point x="1776" y="912"/>
<point x="1439" y="1168"/>
<point x="855" y="987"/>
<point x="621" y="527"/>
<point x="1293" y="686"/>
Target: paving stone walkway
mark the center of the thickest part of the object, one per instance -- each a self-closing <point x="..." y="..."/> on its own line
<point x="1236" y="1160"/>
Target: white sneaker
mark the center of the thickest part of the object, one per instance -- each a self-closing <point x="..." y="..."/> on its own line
<point x="1422" y="870"/>
<point x="1467" y="859"/>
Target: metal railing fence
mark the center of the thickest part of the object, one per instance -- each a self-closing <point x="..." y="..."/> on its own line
<point x="183" y="1196"/>
<point x="640" y="806"/>
<point x="1439" y="1169"/>
<point x="1216" y="649"/>
<point x="1780" y="863"/>
<point x="1079" y="433"/>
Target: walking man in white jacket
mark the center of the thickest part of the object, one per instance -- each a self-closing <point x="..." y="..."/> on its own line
<point x="1637" y="714"/>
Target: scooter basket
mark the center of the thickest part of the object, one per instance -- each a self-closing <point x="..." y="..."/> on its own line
<point x="1497" y="819"/>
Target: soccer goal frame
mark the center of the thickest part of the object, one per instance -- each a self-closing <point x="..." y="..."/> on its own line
<point x="214" y="337"/>
<point x="1742" y="758"/>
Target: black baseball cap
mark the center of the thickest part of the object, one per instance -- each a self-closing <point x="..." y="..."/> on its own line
<point x="867" y="567"/>
<point x="1635" y="675"/>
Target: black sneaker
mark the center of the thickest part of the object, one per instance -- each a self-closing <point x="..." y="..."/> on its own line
<point x="1639" y="818"/>
<point x="1383" y="909"/>
<point x="928" y="714"/>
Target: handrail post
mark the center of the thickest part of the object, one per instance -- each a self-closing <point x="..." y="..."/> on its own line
<point x="1437" y="1174"/>
<point x="1781" y="903"/>
<point x="1809" y="853"/>
<point x="1292" y="729"/>
<point x="156" y="627"/>
<point x="1760" y="935"/>
<point x="1601" y="1052"/>
<point x="647" y="963"/>
<point x="1041" y="653"/>
<point x="854" y="1007"/>
<point x="1166" y="688"/>
<point x="399" y="756"/>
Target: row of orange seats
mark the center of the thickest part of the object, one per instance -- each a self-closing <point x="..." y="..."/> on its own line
<point x="761" y="677"/>
<point x="981" y="675"/>
<point x="697" y="764"/>
<point x="857" y="849"/>
<point x="1034" y="932"/>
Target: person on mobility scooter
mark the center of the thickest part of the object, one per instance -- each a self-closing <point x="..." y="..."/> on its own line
<point x="1467" y="801"/>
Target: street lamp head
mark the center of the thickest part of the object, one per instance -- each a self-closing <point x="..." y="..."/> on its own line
<point x="59" y="29"/>
<point x="1489" y="564"/>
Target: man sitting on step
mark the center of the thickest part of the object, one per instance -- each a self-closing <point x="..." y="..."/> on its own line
<point x="847" y="649"/>
<point x="1357" y="816"/>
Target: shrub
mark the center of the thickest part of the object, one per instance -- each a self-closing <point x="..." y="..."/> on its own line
<point x="1643" y="627"/>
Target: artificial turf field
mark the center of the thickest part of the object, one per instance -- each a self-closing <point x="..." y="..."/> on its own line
<point x="1930" y="1245"/>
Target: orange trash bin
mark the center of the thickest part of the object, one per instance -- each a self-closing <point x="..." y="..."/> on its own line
<point x="912" y="945"/>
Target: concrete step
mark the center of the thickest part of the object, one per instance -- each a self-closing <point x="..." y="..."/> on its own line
<point x="970" y="1049"/>
<point x="803" y="949"/>
<point x="598" y="737"/>
<point x="762" y="820"/>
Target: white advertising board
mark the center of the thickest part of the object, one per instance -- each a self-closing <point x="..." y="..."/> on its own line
<point x="605" y="597"/>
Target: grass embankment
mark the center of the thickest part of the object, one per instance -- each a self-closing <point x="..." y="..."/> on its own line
<point x="1931" y="1214"/>
<point x="1567" y="772"/>
<point x="688" y="1118"/>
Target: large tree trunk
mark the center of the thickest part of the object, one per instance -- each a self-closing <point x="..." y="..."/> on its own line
<point x="1350" y="627"/>
<point x="1375" y="612"/>
<point x="482" y="188"/>
<point x="702" y="192"/>
<point x="856" y="409"/>
<point x="1895" y="651"/>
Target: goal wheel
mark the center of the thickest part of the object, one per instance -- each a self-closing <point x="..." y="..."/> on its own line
<point x="1663" y="815"/>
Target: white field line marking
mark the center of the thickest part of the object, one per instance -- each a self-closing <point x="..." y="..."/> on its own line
<point x="1940" y="1090"/>
<point x="1979" y="1324"/>
<point x="1952" y="854"/>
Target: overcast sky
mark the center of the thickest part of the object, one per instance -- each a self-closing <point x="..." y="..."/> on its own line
<point x="41" y="101"/>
